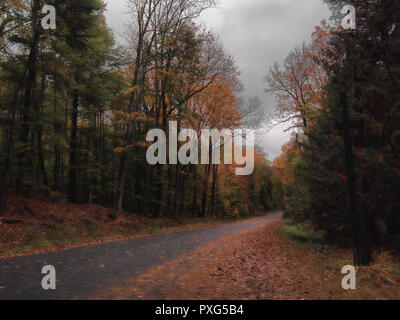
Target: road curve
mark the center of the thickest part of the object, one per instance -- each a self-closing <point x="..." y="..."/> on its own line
<point x="82" y="270"/>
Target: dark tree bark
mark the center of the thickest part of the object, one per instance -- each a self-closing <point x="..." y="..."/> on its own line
<point x="169" y="187"/>
<point x="149" y="192"/>
<point x="26" y="156"/>
<point x="194" y="201"/>
<point x="121" y="181"/>
<point x="361" y="246"/>
<point x="177" y="178"/>
<point x="10" y="143"/>
<point x="205" y="190"/>
<point x="39" y="131"/>
<point x="214" y="190"/>
<point x="73" y="148"/>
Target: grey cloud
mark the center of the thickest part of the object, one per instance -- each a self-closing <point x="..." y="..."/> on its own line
<point x="257" y="33"/>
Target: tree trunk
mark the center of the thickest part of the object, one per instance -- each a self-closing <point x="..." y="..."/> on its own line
<point x="177" y="191"/>
<point x="214" y="189"/>
<point x="74" y="145"/>
<point x="10" y="143"/>
<point x="169" y="174"/>
<point x="177" y="176"/>
<point x="39" y="130"/>
<point x="25" y="157"/>
<point x="149" y="192"/>
<point x="121" y="182"/>
<point x="182" y="201"/>
<point x="194" y="201"/>
<point x="361" y="246"/>
<point x="205" y="190"/>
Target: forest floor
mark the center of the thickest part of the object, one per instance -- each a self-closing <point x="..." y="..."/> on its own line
<point x="263" y="264"/>
<point x="86" y="272"/>
<point x="260" y="262"/>
<point x="39" y="224"/>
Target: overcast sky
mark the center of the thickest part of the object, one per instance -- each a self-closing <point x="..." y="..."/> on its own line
<point x="256" y="33"/>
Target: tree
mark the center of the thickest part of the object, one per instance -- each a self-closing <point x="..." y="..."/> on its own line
<point x="297" y="87"/>
<point x="75" y="110"/>
<point x="362" y="90"/>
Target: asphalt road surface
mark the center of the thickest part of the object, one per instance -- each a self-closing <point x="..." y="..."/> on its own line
<point x="83" y="270"/>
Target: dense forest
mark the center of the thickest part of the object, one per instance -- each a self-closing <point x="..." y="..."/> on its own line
<point x="75" y="109"/>
<point x="341" y="171"/>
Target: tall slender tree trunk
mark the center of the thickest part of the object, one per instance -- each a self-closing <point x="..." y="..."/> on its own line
<point x="133" y="107"/>
<point x="205" y="190"/>
<point x="361" y="246"/>
<point x="121" y="182"/>
<point x="205" y="184"/>
<point x="10" y="143"/>
<point x="194" y="201"/>
<point x="149" y="192"/>
<point x="182" y="200"/>
<point x="39" y="131"/>
<point x="177" y="176"/>
<point x="214" y="189"/>
<point x="73" y="145"/>
<point x="169" y="186"/>
<point x="160" y="192"/>
<point x="177" y="191"/>
<point x="26" y="157"/>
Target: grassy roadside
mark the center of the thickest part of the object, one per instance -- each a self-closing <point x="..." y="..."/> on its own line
<point x="37" y="225"/>
<point x="320" y="274"/>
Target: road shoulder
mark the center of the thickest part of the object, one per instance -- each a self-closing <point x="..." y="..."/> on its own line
<point x="256" y="264"/>
<point x="199" y="224"/>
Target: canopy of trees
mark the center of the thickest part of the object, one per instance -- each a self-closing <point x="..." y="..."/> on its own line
<point x="75" y="109"/>
<point x="342" y="169"/>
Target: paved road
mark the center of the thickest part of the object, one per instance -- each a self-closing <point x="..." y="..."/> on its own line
<point x="81" y="271"/>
